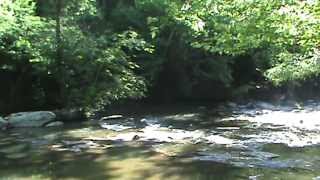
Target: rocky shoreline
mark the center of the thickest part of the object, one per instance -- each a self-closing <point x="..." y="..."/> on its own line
<point x="41" y="119"/>
<point x="59" y="117"/>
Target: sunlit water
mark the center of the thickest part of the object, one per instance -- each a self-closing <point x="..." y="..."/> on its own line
<point x="251" y="141"/>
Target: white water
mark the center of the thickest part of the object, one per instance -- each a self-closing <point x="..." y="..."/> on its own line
<point x="266" y="124"/>
<point x="242" y="134"/>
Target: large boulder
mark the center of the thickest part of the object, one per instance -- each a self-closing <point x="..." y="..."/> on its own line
<point x="31" y="119"/>
<point x="3" y="124"/>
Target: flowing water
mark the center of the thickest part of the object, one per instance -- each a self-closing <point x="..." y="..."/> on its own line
<point x="236" y="141"/>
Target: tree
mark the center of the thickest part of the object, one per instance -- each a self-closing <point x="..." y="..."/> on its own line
<point x="183" y="49"/>
<point x="90" y="69"/>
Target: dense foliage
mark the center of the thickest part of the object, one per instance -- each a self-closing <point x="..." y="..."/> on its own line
<point x="88" y="53"/>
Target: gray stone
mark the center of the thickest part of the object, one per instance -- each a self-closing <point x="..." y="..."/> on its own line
<point x="55" y="124"/>
<point x="113" y="117"/>
<point x="2" y="120"/>
<point x="31" y="119"/>
<point x="3" y="123"/>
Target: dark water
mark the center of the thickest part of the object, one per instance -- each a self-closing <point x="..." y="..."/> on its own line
<point x="173" y="146"/>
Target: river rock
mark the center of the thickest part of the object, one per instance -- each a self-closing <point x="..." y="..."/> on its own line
<point x="3" y="123"/>
<point x="55" y="124"/>
<point x="31" y="119"/>
<point x="2" y="120"/>
<point x="112" y="117"/>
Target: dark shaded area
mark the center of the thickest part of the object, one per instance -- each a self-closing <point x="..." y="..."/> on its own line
<point x="21" y="90"/>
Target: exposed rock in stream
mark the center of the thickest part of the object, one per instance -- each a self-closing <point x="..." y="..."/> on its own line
<point x="31" y="119"/>
<point x="41" y="118"/>
<point x="3" y="124"/>
<point x="259" y="135"/>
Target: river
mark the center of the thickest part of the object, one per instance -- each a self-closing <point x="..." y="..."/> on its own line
<point x="255" y="140"/>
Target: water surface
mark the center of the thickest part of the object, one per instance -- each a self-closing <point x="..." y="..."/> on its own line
<point x="250" y="141"/>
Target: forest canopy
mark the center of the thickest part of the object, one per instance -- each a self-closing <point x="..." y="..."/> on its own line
<point x="89" y="53"/>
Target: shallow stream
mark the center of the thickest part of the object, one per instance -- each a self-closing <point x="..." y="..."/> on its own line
<point x="255" y="140"/>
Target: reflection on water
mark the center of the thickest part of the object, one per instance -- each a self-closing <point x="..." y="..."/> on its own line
<point x="246" y="144"/>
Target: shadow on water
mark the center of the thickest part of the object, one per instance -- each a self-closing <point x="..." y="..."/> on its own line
<point x="125" y="162"/>
<point x="128" y="161"/>
<point x="36" y="161"/>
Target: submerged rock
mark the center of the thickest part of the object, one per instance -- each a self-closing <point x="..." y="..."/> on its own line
<point x="31" y="119"/>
